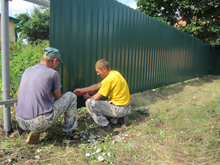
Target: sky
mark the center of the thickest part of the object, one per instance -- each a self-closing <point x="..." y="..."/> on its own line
<point x="21" y="6"/>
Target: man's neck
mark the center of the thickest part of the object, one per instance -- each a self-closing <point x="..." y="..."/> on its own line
<point x="45" y="63"/>
<point x="108" y="72"/>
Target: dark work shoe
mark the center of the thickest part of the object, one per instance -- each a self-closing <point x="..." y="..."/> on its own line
<point x="124" y="120"/>
<point x="100" y="129"/>
<point x="33" y="138"/>
<point x="107" y="128"/>
<point x="74" y="136"/>
<point x="114" y="120"/>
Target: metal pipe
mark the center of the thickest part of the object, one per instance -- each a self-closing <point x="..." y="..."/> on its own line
<point x="9" y="102"/>
<point x="39" y="3"/>
<point x="5" y="63"/>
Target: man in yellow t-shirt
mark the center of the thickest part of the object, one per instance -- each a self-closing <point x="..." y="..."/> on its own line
<point x="115" y="87"/>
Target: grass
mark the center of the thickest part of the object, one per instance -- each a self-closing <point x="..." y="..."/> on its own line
<point x="181" y="126"/>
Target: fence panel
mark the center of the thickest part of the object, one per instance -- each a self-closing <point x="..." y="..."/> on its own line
<point x="215" y="60"/>
<point x="148" y="53"/>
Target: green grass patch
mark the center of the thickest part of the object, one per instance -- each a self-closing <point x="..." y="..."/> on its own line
<point x="181" y="126"/>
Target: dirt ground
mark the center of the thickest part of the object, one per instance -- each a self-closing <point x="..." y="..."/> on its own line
<point x="175" y="124"/>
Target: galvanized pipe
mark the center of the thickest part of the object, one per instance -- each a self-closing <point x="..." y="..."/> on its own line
<point x="39" y="3"/>
<point x="5" y="63"/>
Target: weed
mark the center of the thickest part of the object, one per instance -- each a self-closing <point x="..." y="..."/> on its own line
<point x="182" y="126"/>
<point x="162" y="134"/>
<point x="21" y="57"/>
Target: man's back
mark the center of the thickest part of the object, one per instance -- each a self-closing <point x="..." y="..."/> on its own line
<point x="36" y="91"/>
<point x="116" y="87"/>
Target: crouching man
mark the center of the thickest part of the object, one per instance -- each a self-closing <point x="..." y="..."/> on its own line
<point x="40" y="102"/>
<point x="115" y="87"/>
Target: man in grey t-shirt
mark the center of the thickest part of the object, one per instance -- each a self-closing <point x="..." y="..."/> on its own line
<point x="40" y="102"/>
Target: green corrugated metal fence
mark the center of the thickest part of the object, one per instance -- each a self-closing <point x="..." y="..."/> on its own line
<point x="215" y="60"/>
<point x="148" y="53"/>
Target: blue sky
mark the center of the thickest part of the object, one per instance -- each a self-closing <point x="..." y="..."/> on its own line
<point x="21" y="6"/>
<point x="130" y="3"/>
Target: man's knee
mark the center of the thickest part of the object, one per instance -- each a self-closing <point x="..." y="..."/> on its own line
<point x="90" y="102"/>
<point x="71" y="96"/>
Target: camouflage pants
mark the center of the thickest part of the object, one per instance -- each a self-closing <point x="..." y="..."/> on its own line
<point x="66" y="104"/>
<point x="99" y="110"/>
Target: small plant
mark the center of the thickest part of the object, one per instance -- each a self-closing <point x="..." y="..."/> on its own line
<point x="21" y="57"/>
<point x="162" y="134"/>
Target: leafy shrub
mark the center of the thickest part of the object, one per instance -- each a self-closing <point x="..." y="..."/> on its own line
<point x="22" y="56"/>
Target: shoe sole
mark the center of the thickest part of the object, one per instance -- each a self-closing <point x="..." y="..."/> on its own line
<point x="33" y="138"/>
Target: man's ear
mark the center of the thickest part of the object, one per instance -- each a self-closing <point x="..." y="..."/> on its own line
<point x="104" y="69"/>
<point x="55" y="60"/>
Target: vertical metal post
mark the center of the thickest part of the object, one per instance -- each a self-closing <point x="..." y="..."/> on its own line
<point x="5" y="63"/>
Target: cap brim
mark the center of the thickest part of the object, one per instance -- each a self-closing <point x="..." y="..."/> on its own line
<point x="61" y="60"/>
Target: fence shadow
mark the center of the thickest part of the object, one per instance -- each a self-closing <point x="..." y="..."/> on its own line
<point x="54" y="135"/>
<point x="148" y="97"/>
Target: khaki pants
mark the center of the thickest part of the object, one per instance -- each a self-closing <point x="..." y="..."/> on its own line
<point x="99" y="110"/>
<point x="66" y="104"/>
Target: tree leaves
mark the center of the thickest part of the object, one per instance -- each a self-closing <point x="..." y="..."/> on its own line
<point x="202" y="16"/>
<point x="36" y="25"/>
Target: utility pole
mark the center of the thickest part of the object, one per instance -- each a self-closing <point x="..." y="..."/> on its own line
<point x="7" y="103"/>
<point x="5" y="63"/>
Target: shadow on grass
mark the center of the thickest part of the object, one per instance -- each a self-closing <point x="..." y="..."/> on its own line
<point x="148" y="97"/>
<point x="138" y="101"/>
<point x="54" y="134"/>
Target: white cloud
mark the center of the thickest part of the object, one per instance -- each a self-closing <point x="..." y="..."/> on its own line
<point x="19" y="6"/>
<point x="130" y="3"/>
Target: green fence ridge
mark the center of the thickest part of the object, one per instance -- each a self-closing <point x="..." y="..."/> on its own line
<point x="215" y="60"/>
<point x="147" y="52"/>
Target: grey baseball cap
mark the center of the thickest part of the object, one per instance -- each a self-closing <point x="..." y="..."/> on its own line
<point x="52" y="52"/>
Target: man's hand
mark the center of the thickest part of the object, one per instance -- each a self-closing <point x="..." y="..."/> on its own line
<point x="86" y="96"/>
<point x="78" y="90"/>
<point x="91" y="88"/>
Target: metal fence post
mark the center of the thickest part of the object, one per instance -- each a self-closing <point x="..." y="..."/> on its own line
<point x="5" y="63"/>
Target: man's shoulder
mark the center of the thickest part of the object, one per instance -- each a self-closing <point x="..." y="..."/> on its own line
<point x="114" y="72"/>
<point x="41" y="69"/>
<point x="113" y="76"/>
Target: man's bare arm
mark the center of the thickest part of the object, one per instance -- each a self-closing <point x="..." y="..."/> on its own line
<point x="94" y="87"/>
<point x="57" y="94"/>
<point x="97" y="96"/>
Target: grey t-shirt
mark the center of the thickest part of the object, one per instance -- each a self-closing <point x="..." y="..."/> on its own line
<point x="36" y="88"/>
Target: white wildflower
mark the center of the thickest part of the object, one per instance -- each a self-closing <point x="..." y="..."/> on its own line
<point x="100" y="158"/>
<point x="39" y="150"/>
<point x="109" y="154"/>
<point x="87" y="154"/>
<point x="37" y="157"/>
<point x="98" y="150"/>
<point x="139" y="134"/>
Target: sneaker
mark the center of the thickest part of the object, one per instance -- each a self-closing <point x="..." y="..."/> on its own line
<point x="33" y="138"/>
<point x="73" y="136"/>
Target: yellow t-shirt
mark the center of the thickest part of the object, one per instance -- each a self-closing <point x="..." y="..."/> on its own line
<point x="116" y="87"/>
